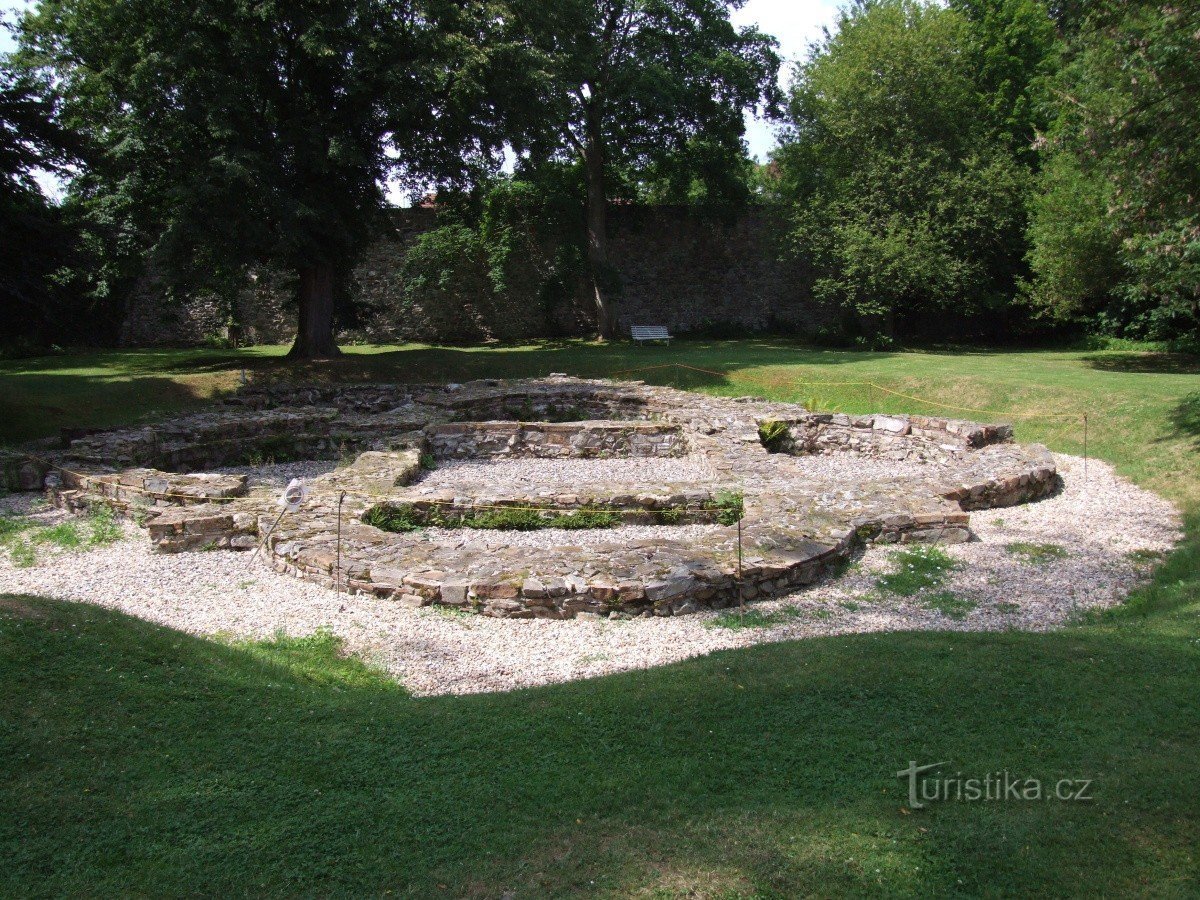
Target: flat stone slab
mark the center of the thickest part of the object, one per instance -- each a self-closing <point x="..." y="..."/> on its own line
<point x="795" y="526"/>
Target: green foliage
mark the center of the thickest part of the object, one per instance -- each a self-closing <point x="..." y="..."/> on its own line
<point x="899" y="168"/>
<point x="103" y="526"/>
<point x="11" y="526"/>
<point x="917" y="569"/>
<point x="279" y="121"/>
<point x="395" y="517"/>
<point x="1116" y="234"/>
<point x="647" y="97"/>
<point x="774" y="435"/>
<point x="35" y="235"/>
<point x="730" y="507"/>
<point x="22" y="554"/>
<point x="65" y="535"/>
<point x="444" y="282"/>
<point x="753" y="619"/>
<point x="405" y="517"/>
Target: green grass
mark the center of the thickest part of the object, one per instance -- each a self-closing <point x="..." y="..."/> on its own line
<point x="21" y="535"/>
<point x="139" y="760"/>
<point x="404" y="517"/>
<point x="948" y="604"/>
<point x="917" y="569"/>
<point x="66" y="535"/>
<point x="1036" y="554"/>
<point x="751" y="618"/>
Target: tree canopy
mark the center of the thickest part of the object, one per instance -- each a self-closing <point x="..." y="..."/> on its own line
<point x="235" y="133"/>
<point x="639" y="89"/>
<point x="899" y="165"/>
<point x="1116" y="227"/>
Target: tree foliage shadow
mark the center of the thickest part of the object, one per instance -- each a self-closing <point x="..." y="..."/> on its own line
<point x="212" y="772"/>
<point x="1185" y="419"/>
<point x="1145" y="363"/>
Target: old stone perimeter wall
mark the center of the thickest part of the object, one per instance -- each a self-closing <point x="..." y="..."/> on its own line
<point x="678" y="268"/>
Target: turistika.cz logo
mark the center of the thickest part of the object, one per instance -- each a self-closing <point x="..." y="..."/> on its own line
<point x="925" y="787"/>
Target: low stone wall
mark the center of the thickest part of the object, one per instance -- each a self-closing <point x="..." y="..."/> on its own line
<point x="918" y="438"/>
<point x="209" y="527"/>
<point x="550" y="440"/>
<point x="212" y="440"/>
<point x="795" y="525"/>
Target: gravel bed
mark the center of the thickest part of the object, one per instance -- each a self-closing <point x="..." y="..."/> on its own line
<point x="853" y="467"/>
<point x="276" y="477"/>
<point x="534" y="473"/>
<point x="1097" y="525"/>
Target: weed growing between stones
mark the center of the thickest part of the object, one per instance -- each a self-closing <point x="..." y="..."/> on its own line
<point x="730" y="507"/>
<point x="917" y="569"/>
<point x="725" y="508"/>
<point x="754" y="618"/>
<point x="403" y="517"/>
<point x="1146" y="557"/>
<point x="737" y="620"/>
<point x="1036" y="554"/>
<point x="773" y="435"/>
<point x="105" y="529"/>
<point x="66" y="535"/>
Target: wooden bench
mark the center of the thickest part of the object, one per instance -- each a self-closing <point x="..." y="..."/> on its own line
<point x="642" y="333"/>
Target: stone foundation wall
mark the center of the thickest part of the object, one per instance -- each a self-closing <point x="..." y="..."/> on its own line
<point x="795" y="524"/>
<point x="917" y="438"/>
<point x="677" y="268"/>
<point x="549" y="440"/>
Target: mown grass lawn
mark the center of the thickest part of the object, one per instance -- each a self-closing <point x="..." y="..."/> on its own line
<point x="139" y="760"/>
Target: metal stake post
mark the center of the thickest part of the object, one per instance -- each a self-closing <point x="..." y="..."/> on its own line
<point x="741" y="595"/>
<point x="1085" y="447"/>
<point x="337" y="578"/>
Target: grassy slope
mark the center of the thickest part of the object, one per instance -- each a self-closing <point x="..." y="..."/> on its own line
<point x="147" y="761"/>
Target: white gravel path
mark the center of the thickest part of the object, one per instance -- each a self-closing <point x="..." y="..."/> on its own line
<point x="1098" y="524"/>
<point x="533" y="473"/>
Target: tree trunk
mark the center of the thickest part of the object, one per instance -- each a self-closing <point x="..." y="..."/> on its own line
<point x="597" y="225"/>
<point x="314" y="334"/>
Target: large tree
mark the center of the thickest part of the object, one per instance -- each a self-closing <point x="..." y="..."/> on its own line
<point x="33" y="242"/>
<point x="623" y="86"/>
<point x="904" y="166"/>
<point x="230" y="134"/>
<point x="1116" y="226"/>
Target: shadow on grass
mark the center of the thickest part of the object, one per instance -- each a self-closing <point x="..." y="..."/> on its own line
<point x="1185" y="419"/>
<point x="36" y="406"/>
<point x="1145" y="363"/>
<point x="142" y="760"/>
<point x="103" y="389"/>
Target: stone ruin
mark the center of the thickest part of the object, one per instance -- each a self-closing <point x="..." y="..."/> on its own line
<point x="795" y="527"/>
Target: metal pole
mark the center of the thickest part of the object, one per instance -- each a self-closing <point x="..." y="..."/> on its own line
<point x="741" y="595"/>
<point x="267" y="536"/>
<point x="1085" y="447"/>
<point x="337" y="578"/>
